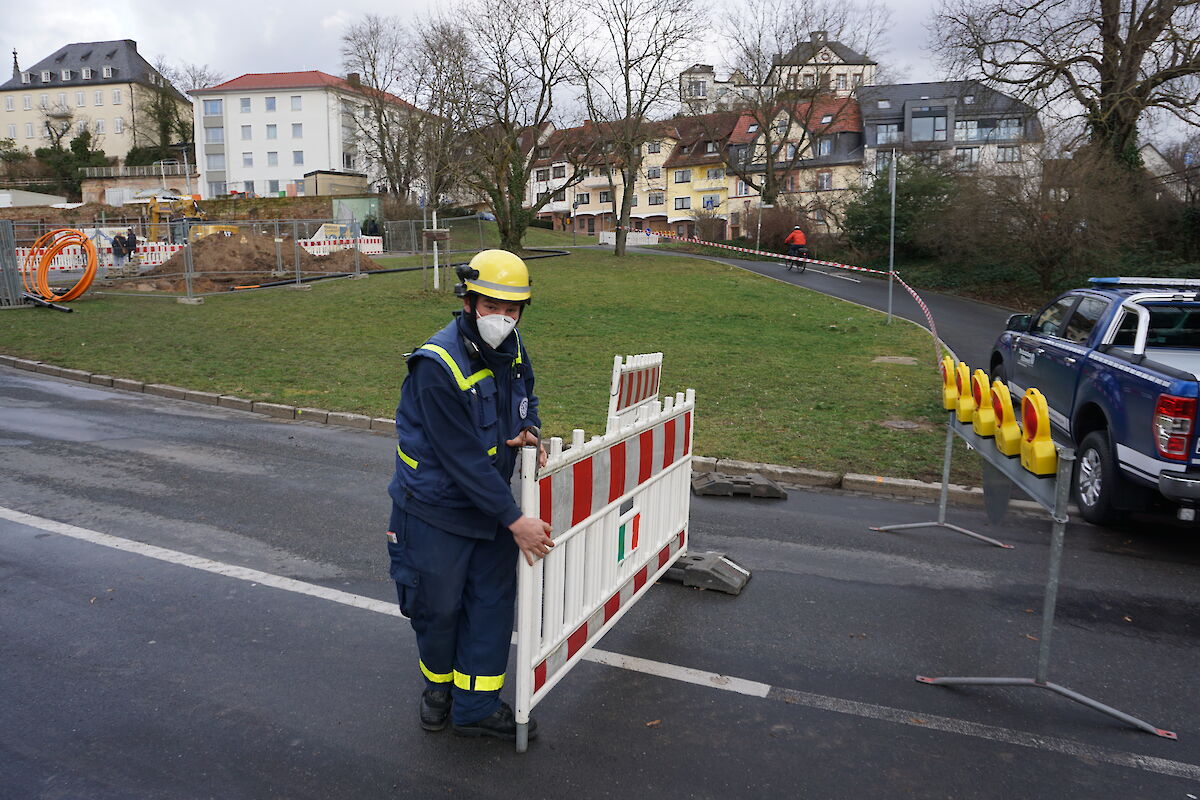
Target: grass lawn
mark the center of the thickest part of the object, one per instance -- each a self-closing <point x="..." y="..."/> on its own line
<point x="782" y="375"/>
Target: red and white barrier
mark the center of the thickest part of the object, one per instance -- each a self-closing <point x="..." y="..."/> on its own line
<point x="369" y="245"/>
<point x="618" y="507"/>
<point x="635" y="382"/>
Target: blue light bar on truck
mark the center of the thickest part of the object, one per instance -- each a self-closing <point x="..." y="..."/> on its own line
<point x="1102" y="283"/>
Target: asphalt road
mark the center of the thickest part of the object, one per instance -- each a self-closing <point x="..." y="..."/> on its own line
<point x="967" y="327"/>
<point x="129" y="672"/>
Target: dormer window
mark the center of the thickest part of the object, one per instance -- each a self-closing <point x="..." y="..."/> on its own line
<point x="87" y="73"/>
<point x="66" y="74"/>
<point x="543" y="152"/>
<point x="46" y="74"/>
<point x="753" y="128"/>
<point x="710" y="147"/>
<point x="969" y="100"/>
<point x="828" y="118"/>
<point x="26" y="77"/>
<point x="107" y="72"/>
<point x="884" y="103"/>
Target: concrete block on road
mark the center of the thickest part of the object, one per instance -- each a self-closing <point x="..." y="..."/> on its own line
<point x="320" y="415"/>
<point x="101" y="380"/>
<point x="239" y="403"/>
<point x="128" y="385"/>
<point x="207" y="398"/>
<point x="26" y="363"/>
<point x="361" y="421"/>
<point x="383" y="424"/>
<point x="47" y="369"/>
<point x="81" y="375"/>
<point x="276" y="410"/>
<point x="165" y="390"/>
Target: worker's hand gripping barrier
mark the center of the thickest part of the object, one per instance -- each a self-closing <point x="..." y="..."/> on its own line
<point x="949" y="384"/>
<point x="965" y="408"/>
<point x="618" y="508"/>
<point x="983" y="421"/>
<point x="1038" y="454"/>
<point x="1008" y="433"/>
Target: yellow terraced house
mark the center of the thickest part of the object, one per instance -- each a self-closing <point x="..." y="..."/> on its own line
<point x="697" y="186"/>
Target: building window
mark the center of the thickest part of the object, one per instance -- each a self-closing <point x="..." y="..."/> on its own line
<point x="28" y="130"/>
<point x="583" y="198"/>
<point x="560" y="172"/>
<point x="839" y="81"/>
<point x="653" y="147"/>
<point x="752" y="128"/>
<point x="969" y="100"/>
<point x="298" y="157"/>
<point x="825" y="145"/>
<point x="272" y="159"/>
<point x="245" y="105"/>
<point x="106" y="72"/>
<point x="653" y="173"/>
<point x="683" y="176"/>
<point x="12" y="131"/>
<point x="273" y="187"/>
<point x="857" y="81"/>
<point x="697" y="89"/>
<point x="541" y="175"/>
<point x="119" y="125"/>
<point x="46" y="75"/>
<point x="710" y="147"/>
<point x="1009" y="129"/>
<point x="80" y="99"/>
<point x="65" y="74"/>
<point x="818" y="216"/>
<point x="297" y="130"/>
<point x="824" y="181"/>
<point x="98" y="98"/>
<point x="828" y="118"/>
<point x="656" y="198"/>
<point x="81" y="126"/>
<point x="742" y="188"/>
<point x="543" y="152"/>
<point x="929" y="129"/>
<point x="213" y="108"/>
<point x="268" y="103"/>
<point x="682" y="203"/>
<point x="25" y="77"/>
<point x="966" y="130"/>
<point x="246" y="133"/>
<point x="116" y="97"/>
<point x="633" y="201"/>
<point x="87" y="73"/>
<point x="1008" y="155"/>
<point x="247" y="159"/>
<point x="248" y="187"/>
<point x="560" y="195"/>
<point x="214" y="135"/>
<point x="272" y="132"/>
<point x="27" y="102"/>
<point x="296" y="103"/>
<point x="216" y="188"/>
<point x="883" y="161"/>
<point x="62" y="100"/>
<point x="710" y="201"/>
<point x="966" y="157"/>
<point x="606" y="197"/>
<point x="716" y="173"/>
<point x="887" y="133"/>
<point x="884" y="103"/>
<point x="8" y="104"/>
<point x="214" y="161"/>
<point x="348" y="160"/>
<point x="810" y="80"/>
<point x="43" y="101"/>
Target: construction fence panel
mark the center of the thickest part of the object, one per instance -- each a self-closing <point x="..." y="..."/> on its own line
<point x="618" y="507"/>
<point x="12" y="294"/>
<point x="635" y="382"/>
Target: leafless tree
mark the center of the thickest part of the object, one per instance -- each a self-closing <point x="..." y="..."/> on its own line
<point x="788" y="118"/>
<point x="628" y="71"/>
<point x="516" y="60"/>
<point x="1112" y="59"/>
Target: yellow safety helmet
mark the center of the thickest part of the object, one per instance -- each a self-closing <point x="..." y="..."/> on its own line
<point x="498" y="274"/>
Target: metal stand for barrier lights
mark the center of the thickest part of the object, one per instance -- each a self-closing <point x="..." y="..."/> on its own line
<point x="1056" y="504"/>
<point x="942" y="499"/>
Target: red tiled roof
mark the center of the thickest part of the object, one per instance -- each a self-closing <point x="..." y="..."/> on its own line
<point x="844" y="112"/>
<point x="309" y="79"/>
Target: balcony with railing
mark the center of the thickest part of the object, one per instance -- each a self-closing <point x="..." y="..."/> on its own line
<point x="150" y="171"/>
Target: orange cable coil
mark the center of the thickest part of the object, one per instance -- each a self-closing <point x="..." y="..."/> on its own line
<point x="36" y="272"/>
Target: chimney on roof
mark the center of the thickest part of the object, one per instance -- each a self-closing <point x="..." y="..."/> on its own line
<point x="819" y="37"/>
<point x="354" y="79"/>
<point x="16" y="69"/>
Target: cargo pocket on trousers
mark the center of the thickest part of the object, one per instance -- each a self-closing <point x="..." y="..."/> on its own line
<point x="403" y="574"/>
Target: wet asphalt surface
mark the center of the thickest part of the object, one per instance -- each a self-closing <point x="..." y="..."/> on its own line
<point x="123" y="676"/>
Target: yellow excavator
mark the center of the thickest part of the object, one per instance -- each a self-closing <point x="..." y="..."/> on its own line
<point x="170" y="215"/>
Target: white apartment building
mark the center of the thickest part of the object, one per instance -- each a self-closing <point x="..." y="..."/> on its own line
<point x="261" y="133"/>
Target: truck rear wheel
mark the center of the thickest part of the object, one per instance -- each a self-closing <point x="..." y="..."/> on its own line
<point x="1095" y="482"/>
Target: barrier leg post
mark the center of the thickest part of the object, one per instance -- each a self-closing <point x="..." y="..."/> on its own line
<point x="525" y="603"/>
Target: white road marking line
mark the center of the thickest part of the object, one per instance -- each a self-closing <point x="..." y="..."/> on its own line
<point x="660" y="669"/>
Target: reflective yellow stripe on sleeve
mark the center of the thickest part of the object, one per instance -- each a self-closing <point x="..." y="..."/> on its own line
<point x="406" y="458"/>
<point x="492" y="450"/>
<point x="436" y="677"/>
<point x="482" y="683"/>
<point x="464" y="383"/>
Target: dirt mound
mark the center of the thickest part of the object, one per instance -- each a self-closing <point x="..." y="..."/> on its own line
<point x="222" y="262"/>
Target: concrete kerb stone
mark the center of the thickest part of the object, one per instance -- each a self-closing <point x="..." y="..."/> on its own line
<point x="81" y="375"/>
<point x="47" y="369"/>
<point x="383" y="424"/>
<point x="238" y="403"/>
<point x="128" y="385"/>
<point x="276" y="410"/>
<point x="360" y="421"/>
<point x="318" y="415"/>
<point x="101" y="380"/>
<point x="8" y="361"/>
<point x="26" y="364"/>
<point x="207" y="398"/>
<point x="165" y="390"/>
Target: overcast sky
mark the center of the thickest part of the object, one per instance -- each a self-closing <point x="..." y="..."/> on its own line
<point x="271" y="36"/>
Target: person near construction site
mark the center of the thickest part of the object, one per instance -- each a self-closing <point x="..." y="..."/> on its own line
<point x="797" y="242"/>
<point x="131" y="245"/>
<point x="120" y="250"/>
<point x="466" y="408"/>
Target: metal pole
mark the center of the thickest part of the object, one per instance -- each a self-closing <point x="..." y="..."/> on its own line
<point x="278" y="250"/>
<point x="758" y="232"/>
<point x="1066" y="461"/>
<point x="357" y="246"/>
<point x="945" y="493"/>
<point x="187" y="258"/>
<point x="480" y="221"/>
<point x="892" y="236"/>
<point x="296" y="247"/>
<point x="436" y="279"/>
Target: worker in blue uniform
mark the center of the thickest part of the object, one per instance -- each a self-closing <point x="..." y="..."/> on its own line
<point x="466" y="408"/>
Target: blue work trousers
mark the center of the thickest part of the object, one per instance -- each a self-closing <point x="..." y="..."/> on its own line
<point x="459" y="593"/>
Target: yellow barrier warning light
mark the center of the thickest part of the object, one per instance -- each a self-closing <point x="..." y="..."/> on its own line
<point x="966" y="400"/>
<point x="949" y="388"/>
<point x="1037" y="448"/>
<point x="1008" y="432"/>
<point x="983" y="421"/>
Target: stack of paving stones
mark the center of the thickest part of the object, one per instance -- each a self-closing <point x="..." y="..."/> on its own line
<point x="786" y="476"/>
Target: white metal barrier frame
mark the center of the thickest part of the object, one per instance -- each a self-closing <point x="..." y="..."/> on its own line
<point x="635" y="382"/>
<point x="618" y="506"/>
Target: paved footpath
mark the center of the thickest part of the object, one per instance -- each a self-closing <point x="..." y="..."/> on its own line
<point x="196" y="605"/>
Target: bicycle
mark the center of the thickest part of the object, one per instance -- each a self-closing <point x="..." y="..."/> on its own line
<point x="797" y="251"/>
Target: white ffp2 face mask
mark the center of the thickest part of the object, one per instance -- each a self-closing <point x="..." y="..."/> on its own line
<point x="495" y="328"/>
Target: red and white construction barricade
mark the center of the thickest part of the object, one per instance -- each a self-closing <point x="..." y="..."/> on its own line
<point x="635" y="382"/>
<point x="618" y="507"/>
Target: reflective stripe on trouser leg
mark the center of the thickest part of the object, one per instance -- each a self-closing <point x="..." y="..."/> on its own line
<point x="436" y="677"/>
<point x="485" y="628"/>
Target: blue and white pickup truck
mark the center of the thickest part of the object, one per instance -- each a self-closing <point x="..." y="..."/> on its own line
<point x="1118" y="363"/>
